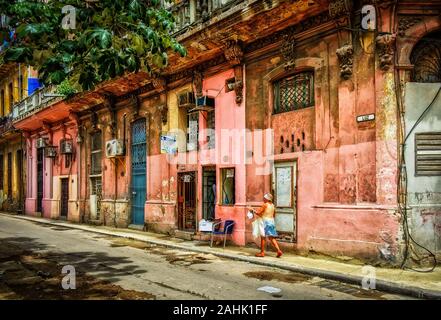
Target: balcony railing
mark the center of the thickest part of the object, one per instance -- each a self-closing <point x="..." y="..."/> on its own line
<point x="191" y="12"/>
<point x="40" y="99"/>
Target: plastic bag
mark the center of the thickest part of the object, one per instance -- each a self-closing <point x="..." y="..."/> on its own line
<point x="258" y="228"/>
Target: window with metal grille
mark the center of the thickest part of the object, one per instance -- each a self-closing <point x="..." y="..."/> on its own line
<point x="2" y="174"/>
<point x="294" y="92"/>
<point x="96" y="153"/>
<point x="428" y="154"/>
<point x="228" y="186"/>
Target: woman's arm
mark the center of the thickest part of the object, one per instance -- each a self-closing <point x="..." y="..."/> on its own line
<point x="261" y="210"/>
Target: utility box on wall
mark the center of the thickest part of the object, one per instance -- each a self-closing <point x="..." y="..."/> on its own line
<point x="114" y="148"/>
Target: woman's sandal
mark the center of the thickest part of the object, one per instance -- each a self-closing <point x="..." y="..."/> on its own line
<point x="260" y="255"/>
<point x="279" y="254"/>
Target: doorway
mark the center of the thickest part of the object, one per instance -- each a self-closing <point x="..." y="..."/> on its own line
<point x="40" y="157"/>
<point x="139" y="169"/>
<point x="208" y="193"/>
<point x="187" y="201"/>
<point x="64" y="198"/>
<point x="285" y="200"/>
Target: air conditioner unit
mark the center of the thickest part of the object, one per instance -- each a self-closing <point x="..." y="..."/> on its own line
<point x="50" y="152"/>
<point x="66" y="146"/>
<point x="114" y="148"/>
<point x="40" y="143"/>
<point x="204" y="103"/>
<point x="186" y="100"/>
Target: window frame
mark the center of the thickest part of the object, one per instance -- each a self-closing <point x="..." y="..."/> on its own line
<point x="92" y="173"/>
<point x="223" y="172"/>
<point x="276" y="91"/>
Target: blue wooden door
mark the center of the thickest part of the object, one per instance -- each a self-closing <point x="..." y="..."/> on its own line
<point x="139" y="166"/>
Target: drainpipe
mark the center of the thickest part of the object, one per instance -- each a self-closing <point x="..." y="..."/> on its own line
<point x="74" y="117"/>
<point x="79" y="142"/>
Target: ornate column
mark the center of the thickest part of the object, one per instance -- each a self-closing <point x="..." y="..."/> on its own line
<point x="386" y="103"/>
<point x="340" y="11"/>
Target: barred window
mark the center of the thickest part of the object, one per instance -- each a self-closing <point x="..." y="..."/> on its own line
<point x="294" y="92"/>
<point x="96" y="153"/>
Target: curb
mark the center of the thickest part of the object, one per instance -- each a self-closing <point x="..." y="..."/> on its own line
<point x="382" y="285"/>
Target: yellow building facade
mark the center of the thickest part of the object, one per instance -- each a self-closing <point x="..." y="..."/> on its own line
<point x="14" y="83"/>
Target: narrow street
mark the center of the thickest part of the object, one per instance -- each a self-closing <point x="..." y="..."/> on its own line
<point x="32" y="256"/>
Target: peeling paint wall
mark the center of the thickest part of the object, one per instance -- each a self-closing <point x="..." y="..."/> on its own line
<point x="424" y="192"/>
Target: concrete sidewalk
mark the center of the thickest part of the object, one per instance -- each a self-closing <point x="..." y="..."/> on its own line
<point x="419" y="285"/>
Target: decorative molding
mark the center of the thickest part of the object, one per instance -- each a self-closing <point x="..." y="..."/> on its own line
<point x="346" y="57"/>
<point x="406" y="22"/>
<point x="197" y="82"/>
<point x="339" y="8"/>
<point x="288" y="51"/>
<point x="234" y="54"/>
<point x="233" y="51"/>
<point x="163" y="109"/>
<point x="386" y="50"/>
<point x="303" y="26"/>
<point x="159" y="83"/>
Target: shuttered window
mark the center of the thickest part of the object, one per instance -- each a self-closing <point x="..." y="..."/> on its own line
<point x="428" y="154"/>
<point x="96" y="153"/>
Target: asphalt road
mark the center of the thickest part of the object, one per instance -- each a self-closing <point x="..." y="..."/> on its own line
<point x="164" y="273"/>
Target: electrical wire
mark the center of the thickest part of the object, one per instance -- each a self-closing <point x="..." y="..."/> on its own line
<point x="402" y="191"/>
<point x="402" y="188"/>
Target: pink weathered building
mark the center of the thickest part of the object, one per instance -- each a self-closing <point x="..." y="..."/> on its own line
<point x="288" y="97"/>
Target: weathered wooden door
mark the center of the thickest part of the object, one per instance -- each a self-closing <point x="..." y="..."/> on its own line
<point x="40" y="157"/>
<point x="285" y="200"/>
<point x="64" y="198"/>
<point x="139" y="168"/>
<point x="187" y="201"/>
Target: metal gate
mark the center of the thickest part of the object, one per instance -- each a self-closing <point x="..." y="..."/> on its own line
<point x="209" y="192"/>
<point x="187" y="201"/>
<point x="139" y="168"/>
<point x="64" y="201"/>
<point x="40" y="156"/>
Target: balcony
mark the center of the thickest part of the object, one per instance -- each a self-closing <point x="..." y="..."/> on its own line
<point x="5" y="125"/>
<point x="189" y="13"/>
<point x="37" y="101"/>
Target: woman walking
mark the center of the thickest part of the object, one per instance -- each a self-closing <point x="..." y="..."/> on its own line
<point x="267" y="213"/>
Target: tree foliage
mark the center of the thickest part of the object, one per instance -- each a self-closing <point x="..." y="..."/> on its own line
<point x="111" y="37"/>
